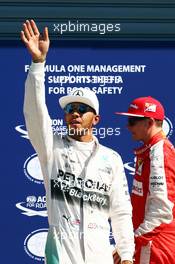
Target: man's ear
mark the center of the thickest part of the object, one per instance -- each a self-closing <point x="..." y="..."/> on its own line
<point x="96" y="120"/>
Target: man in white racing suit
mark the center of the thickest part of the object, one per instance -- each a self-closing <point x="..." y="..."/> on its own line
<point x="85" y="182"/>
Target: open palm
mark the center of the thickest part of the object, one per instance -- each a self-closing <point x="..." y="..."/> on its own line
<point x="37" y="45"/>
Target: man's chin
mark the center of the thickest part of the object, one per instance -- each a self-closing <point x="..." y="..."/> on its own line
<point x="78" y="131"/>
<point x="134" y="137"/>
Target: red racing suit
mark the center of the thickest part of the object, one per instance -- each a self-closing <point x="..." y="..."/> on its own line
<point x="153" y="200"/>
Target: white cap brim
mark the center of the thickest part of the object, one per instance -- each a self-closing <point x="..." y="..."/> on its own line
<point x="63" y="101"/>
<point x="128" y="114"/>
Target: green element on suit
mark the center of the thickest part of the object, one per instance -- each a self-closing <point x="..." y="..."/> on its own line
<point x="52" y="247"/>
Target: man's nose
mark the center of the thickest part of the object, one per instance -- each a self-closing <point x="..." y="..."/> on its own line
<point x="128" y="127"/>
<point x="75" y="113"/>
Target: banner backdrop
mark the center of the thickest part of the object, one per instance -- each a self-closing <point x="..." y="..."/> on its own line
<point x="117" y="75"/>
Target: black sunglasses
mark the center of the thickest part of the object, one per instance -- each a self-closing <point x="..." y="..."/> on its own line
<point x="132" y="121"/>
<point x="80" y="108"/>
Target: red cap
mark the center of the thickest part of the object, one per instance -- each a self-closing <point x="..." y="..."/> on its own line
<point x="145" y="107"/>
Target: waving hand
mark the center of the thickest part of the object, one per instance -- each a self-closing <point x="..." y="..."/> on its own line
<point x="37" y="44"/>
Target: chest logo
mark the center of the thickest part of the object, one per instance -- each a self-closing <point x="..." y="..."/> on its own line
<point x="139" y="167"/>
<point x="137" y="188"/>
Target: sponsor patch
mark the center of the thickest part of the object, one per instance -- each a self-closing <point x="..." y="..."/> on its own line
<point x="149" y="107"/>
<point x="137" y="188"/>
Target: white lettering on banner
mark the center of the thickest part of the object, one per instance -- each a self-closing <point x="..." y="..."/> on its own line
<point x="116" y="68"/>
<point x="76" y="68"/>
<point x="30" y="212"/>
<point x="101" y="78"/>
<point x="85" y="79"/>
<point x="56" y="90"/>
<point x="97" y="90"/>
<point x="107" y="90"/>
<point x="26" y="67"/>
<point x="92" y="68"/>
<point x="55" y="68"/>
<point x="57" y="122"/>
<point x="137" y="187"/>
<point x="33" y="206"/>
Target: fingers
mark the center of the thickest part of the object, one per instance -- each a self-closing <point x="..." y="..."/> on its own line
<point x="30" y="29"/>
<point x="23" y="37"/>
<point x="46" y="34"/>
<point x="34" y="27"/>
<point x="26" y="32"/>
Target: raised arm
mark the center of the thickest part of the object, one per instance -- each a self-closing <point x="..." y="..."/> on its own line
<point x="37" y="119"/>
<point x="37" y="44"/>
